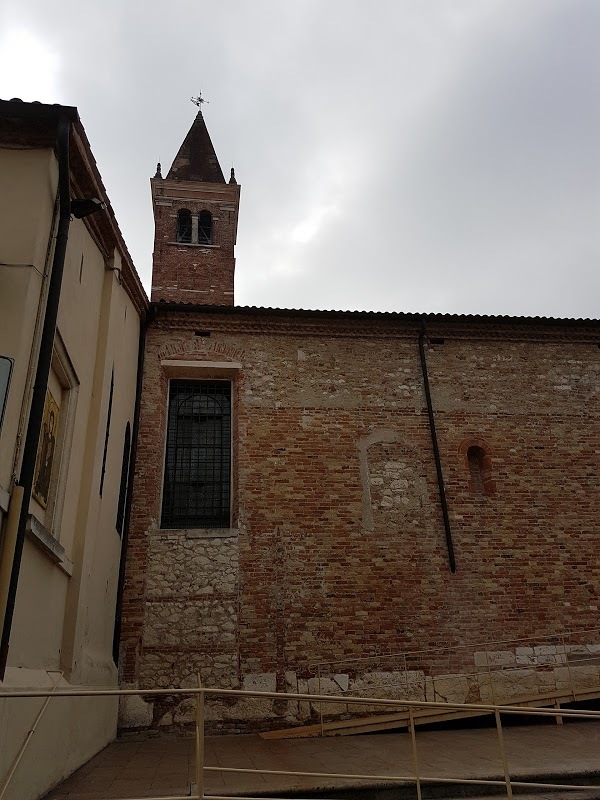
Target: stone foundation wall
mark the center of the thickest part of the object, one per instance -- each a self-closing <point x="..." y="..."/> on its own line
<point x="191" y="613"/>
<point x="508" y="676"/>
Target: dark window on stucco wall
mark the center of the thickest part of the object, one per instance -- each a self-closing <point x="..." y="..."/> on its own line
<point x="6" y="365"/>
<point x="123" y="489"/>
<point x="106" y="435"/>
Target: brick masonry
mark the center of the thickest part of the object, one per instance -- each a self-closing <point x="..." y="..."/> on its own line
<point x="194" y="273"/>
<point x="337" y="548"/>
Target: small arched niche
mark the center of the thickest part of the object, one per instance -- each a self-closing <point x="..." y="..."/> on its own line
<point x="478" y="461"/>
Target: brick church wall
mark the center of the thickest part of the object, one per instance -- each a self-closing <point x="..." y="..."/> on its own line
<point x="337" y="549"/>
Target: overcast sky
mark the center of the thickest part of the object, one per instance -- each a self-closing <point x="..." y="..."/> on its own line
<point x="408" y="155"/>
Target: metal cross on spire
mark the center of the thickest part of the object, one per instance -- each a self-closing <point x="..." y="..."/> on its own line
<point x="198" y="101"/>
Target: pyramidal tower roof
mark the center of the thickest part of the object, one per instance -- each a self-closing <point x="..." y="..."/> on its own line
<point x="196" y="159"/>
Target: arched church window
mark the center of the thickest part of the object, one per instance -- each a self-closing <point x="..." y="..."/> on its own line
<point x="205" y="227"/>
<point x="184" y="225"/>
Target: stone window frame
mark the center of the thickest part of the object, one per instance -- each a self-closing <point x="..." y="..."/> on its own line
<point x="175" y="369"/>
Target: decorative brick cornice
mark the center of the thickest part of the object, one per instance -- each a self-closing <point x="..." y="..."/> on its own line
<point x="382" y="326"/>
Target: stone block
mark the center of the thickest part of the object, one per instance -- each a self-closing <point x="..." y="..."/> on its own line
<point x="549" y="654"/>
<point x="303" y="705"/>
<point x="525" y="656"/>
<point x="494" y="658"/>
<point x="510" y="684"/>
<point x="328" y="686"/>
<point x="450" y="688"/>
<point x="134" y="712"/>
<point x="578" y="677"/>
<point x="253" y="708"/>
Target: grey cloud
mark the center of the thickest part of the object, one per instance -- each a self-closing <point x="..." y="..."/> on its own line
<point x="430" y="156"/>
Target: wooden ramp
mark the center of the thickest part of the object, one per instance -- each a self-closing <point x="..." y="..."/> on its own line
<point x="424" y="716"/>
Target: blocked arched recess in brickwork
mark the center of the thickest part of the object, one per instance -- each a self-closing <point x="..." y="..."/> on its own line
<point x="477" y="459"/>
<point x="393" y="486"/>
<point x="201" y="347"/>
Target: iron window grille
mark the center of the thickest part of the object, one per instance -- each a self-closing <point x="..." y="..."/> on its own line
<point x="198" y="456"/>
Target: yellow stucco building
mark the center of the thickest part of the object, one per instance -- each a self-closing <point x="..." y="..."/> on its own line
<point x="65" y="437"/>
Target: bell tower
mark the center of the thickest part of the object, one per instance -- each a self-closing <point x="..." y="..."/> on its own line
<point x="195" y="225"/>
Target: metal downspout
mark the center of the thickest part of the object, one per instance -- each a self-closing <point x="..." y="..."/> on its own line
<point x="38" y="397"/>
<point x="436" y="450"/>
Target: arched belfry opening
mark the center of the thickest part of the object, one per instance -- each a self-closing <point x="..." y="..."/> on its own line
<point x="184" y="225"/>
<point x="205" y="225"/>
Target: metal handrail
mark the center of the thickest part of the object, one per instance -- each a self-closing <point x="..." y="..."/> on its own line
<point x="7" y="694"/>
<point x="538" y="662"/>
<point x="418" y="779"/>
<point x="474" y="646"/>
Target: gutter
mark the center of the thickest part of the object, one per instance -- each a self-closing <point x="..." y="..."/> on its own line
<point x="41" y="378"/>
<point x="436" y="450"/>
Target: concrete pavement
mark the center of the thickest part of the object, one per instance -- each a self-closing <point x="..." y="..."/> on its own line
<point x="165" y="766"/>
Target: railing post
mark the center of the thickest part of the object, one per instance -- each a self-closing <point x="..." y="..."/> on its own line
<point x="413" y="738"/>
<point x="559" y="719"/>
<point x="562" y="640"/>
<point x="200" y="741"/>
<point x="503" y="754"/>
<point x="487" y="664"/>
<point x="320" y="704"/>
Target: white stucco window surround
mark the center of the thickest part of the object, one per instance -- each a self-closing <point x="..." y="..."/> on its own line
<point x="200" y="370"/>
<point x="64" y="376"/>
<point x="197" y="373"/>
<point x="46" y="542"/>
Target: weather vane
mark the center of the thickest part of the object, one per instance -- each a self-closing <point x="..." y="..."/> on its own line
<point x="197" y="101"/>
